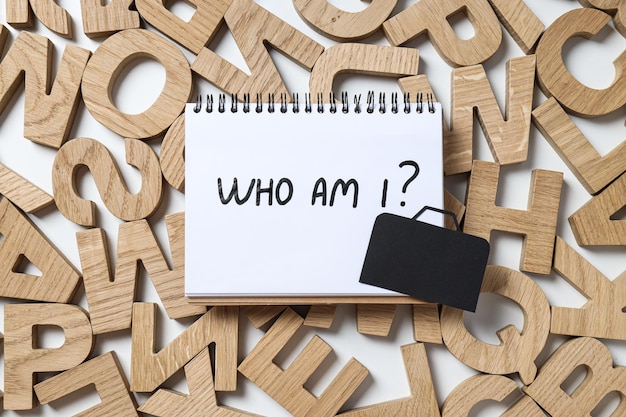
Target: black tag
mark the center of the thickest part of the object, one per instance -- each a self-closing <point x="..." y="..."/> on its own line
<point x="425" y="261"/>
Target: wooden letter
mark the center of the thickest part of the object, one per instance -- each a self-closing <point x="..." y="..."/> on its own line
<point x="105" y="18"/>
<point x="172" y="154"/>
<point x="426" y="324"/>
<point x="259" y="316"/>
<point x="21" y="240"/>
<point x="375" y="319"/>
<point x="106" y="373"/>
<point x="253" y="27"/>
<point x="593" y="171"/>
<point x="537" y="224"/>
<point x="286" y="386"/>
<point x="201" y="400"/>
<point x="602" y="315"/>
<point x="602" y="378"/>
<point x="220" y="325"/>
<point x="431" y="17"/>
<point x="507" y="135"/>
<point x="555" y="79"/>
<point x="520" y="21"/>
<point x="592" y="223"/>
<point x="341" y="25"/>
<point x="487" y="387"/>
<point x="110" y="296"/>
<point x="54" y="17"/>
<point x="113" y="191"/>
<point x="614" y="7"/>
<point x="451" y="203"/>
<point x="49" y="108"/>
<point x="321" y="316"/>
<point x="361" y="59"/>
<point x="23" y="358"/>
<point x="107" y="63"/>
<point x="517" y="351"/>
<point x="21" y="192"/>
<point x="422" y="401"/>
<point x="196" y="33"/>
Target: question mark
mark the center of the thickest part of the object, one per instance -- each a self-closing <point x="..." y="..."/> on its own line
<point x="411" y="178"/>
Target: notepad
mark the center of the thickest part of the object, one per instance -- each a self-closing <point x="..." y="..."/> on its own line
<point x="280" y="198"/>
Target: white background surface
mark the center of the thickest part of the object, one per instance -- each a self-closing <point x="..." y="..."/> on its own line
<point x="590" y="61"/>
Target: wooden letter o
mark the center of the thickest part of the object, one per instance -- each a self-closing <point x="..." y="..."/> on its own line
<point x="107" y="63"/>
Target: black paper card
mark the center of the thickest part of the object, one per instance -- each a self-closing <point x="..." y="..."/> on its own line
<point x="425" y="261"/>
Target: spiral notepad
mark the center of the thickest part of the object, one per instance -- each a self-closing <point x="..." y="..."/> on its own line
<point x="281" y="193"/>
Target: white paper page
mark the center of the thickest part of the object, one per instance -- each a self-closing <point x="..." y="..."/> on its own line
<point x="306" y="242"/>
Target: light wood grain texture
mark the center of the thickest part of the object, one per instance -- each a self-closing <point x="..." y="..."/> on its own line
<point x="287" y="386"/>
<point x="107" y="376"/>
<point x="109" y="182"/>
<point x="172" y="155"/>
<point x="426" y="325"/>
<point x="617" y="8"/>
<point x="601" y="379"/>
<point x="554" y="77"/>
<point x="592" y="170"/>
<point x="23" y="193"/>
<point x="259" y="316"/>
<point x="416" y="84"/>
<point x="102" y="18"/>
<point x="22" y="242"/>
<point x="520" y="21"/>
<point x="517" y="351"/>
<point x="471" y="94"/>
<point x="110" y="294"/>
<point x="361" y="58"/>
<point x="201" y="400"/>
<point x="22" y="355"/>
<point x="375" y="319"/>
<point x="537" y="224"/>
<point x="430" y="17"/>
<point x="49" y="108"/>
<point x="108" y="62"/>
<point x="194" y="34"/>
<point x="422" y="401"/>
<point x="19" y="14"/>
<point x="602" y="315"/>
<point x="253" y="28"/>
<point x="507" y="135"/>
<point x="342" y="25"/>
<point x="321" y="316"/>
<point x="149" y="368"/>
<point x="592" y="223"/>
<point x="54" y="17"/>
<point x="475" y="389"/>
<point x="451" y="203"/>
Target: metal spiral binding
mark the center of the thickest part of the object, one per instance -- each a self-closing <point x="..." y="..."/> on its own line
<point x="285" y="101"/>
